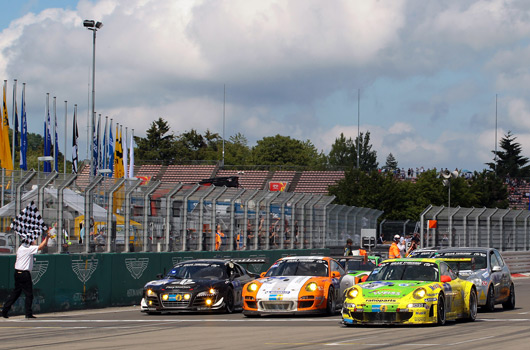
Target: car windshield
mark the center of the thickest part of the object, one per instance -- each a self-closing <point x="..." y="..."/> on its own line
<point x="199" y="271"/>
<point x="358" y="265"/>
<point x="478" y="260"/>
<point x="405" y="271"/>
<point x="299" y="268"/>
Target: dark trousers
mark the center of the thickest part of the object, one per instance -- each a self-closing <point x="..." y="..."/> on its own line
<point x="22" y="284"/>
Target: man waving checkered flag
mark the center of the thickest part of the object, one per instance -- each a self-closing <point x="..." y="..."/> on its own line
<point x="29" y="224"/>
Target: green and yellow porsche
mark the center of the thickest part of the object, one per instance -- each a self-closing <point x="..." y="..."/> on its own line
<point x="410" y="291"/>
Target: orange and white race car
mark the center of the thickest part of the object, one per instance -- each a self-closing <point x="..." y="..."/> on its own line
<point x="304" y="284"/>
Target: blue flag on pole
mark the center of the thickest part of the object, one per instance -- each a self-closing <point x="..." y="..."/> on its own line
<point x="110" y="150"/>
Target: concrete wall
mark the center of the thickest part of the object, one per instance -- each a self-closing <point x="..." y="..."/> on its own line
<point x="84" y="281"/>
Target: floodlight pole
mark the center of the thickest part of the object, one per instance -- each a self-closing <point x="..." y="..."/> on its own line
<point x="93" y="26"/>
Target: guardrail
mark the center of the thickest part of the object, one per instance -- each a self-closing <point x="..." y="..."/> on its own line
<point x="518" y="262"/>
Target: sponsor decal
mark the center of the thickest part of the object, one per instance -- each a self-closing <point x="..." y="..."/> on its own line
<point x="435" y="286"/>
<point x="39" y="269"/>
<point x="405" y="284"/>
<point x="386" y="292"/>
<point x="486" y="274"/>
<point x="136" y="267"/>
<point x="277" y="291"/>
<point x="430" y="299"/>
<point x="276" y="297"/>
<point x="447" y="287"/>
<point x="84" y="268"/>
<point x="376" y="284"/>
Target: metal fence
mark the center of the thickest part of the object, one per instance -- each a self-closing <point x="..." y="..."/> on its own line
<point x="503" y="229"/>
<point x="127" y="215"/>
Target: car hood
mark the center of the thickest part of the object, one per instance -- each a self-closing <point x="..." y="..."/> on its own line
<point x="393" y="289"/>
<point x="172" y="283"/>
<point x="287" y="286"/>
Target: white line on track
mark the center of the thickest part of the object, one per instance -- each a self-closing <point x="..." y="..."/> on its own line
<point x="471" y="340"/>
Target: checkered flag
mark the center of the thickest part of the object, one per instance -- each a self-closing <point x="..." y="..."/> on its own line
<point x="29" y="224"/>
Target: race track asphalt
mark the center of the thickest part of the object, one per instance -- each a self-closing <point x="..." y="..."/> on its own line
<point x="127" y="328"/>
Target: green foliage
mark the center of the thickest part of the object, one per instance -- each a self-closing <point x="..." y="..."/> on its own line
<point x="509" y="159"/>
<point x="391" y="163"/>
<point x="158" y="147"/>
<point x="406" y="200"/>
<point x="283" y="150"/>
<point x="343" y="153"/>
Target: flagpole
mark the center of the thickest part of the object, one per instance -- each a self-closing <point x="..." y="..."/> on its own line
<point x="14" y="124"/>
<point x="65" y="133"/>
<point x="131" y="155"/>
<point x="54" y="132"/>
<point x="23" y="127"/>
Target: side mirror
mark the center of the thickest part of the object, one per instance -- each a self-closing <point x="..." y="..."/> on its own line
<point x="445" y="279"/>
<point x="496" y="268"/>
<point x="335" y="274"/>
<point x="262" y="274"/>
<point x="364" y="278"/>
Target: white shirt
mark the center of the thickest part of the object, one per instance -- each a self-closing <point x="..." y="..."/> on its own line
<point x="25" y="257"/>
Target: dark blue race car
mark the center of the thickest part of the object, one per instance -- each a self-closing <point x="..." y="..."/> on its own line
<point x="197" y="285"/>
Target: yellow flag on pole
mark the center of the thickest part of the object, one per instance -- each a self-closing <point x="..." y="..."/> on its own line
<point x="7" y="160"/>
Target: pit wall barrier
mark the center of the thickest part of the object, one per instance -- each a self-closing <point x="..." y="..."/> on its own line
<point x="64" y="282"/>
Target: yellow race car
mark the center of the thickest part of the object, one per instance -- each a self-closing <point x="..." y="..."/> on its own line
<point x="410" y="291"/>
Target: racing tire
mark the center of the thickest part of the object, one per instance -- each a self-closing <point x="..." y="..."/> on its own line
<point x="490" y="301"/>
<point x="510" y="303"/>
<point x="330" y="304"/>
<point x="473" y="306"/>
<point x="440" y="308"/>
<point x="229" y="303"/>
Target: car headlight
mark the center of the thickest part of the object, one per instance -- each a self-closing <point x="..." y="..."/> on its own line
<point x="165" y="297"/>
<point x="419" y="293"/>
<point x="252" y="287"/>
<point x="311" y="287"/>
<point x="352" y="293"/>
<point x="477" y="282"/>
<point x="150" y="293"/>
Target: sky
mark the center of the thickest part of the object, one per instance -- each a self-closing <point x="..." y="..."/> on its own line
<point x="436" y="83"/>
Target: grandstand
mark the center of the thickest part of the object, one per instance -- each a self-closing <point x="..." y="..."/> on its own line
<point x="316" y="182"/>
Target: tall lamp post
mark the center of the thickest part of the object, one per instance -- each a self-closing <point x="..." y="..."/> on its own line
<point x="447" y="177"/>
<point x="93" y="26"/>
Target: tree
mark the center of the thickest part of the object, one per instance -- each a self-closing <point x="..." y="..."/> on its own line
<point x="342" y="153"/>
<point x="391" y="163"/>
<point x="283" y="150"/>
<point x="490" y="190"/>
<point x="509" y="159"/>
<point x="237" y="151"/>
<point x="367" y="156"/>
<point x="158" y="146"/>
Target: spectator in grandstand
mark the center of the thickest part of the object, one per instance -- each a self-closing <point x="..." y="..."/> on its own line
<point x="414" y="243"/>
<point x="250" y="235"/>
<point x="218" y="238"/>
<point x="286" y="233"/>
<point x="273" y="235"/>
<point x="348" y="247"/>
<point x="296" y="231"/>
<point x="81" y="232"/>
<point x="393" y="252"/>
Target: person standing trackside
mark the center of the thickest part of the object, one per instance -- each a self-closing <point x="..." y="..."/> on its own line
<point x="393" y="252"/>
<point x="347" y="249"/>
<point x="23" y="283"/>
